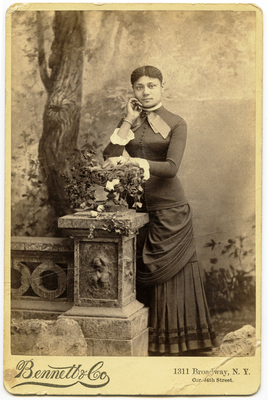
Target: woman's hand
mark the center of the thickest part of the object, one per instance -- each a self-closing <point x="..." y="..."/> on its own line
<point x="129" y="162"/>
<point x="113" y="162"/>
<point x="134" y="108"/>
<point x="118" y="161"/>
<point x="132" y="162"/>
<point x="141" y="163"/>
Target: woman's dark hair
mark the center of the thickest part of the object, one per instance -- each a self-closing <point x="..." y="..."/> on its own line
<point x="147" y="70"/>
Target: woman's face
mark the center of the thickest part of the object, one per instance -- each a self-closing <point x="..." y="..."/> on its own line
<point x="148" y="91"/>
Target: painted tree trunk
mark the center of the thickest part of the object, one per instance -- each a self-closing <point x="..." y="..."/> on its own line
<point x="62" y="111"/>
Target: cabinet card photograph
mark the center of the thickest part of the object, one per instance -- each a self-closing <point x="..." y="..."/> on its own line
<point x="133" y="199"/>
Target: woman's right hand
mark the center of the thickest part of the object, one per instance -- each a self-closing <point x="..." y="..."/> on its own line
<point x="134" y="108"/>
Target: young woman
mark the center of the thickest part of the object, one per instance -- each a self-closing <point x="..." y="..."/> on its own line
<point x="167" y="266"/>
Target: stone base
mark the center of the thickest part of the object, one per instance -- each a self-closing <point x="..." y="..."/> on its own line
<point x="113" y="336"/>
<point x="137" y="347"/>
<point x="110" y="312"/>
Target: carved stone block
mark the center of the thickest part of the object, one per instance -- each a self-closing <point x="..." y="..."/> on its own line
<point x="113" y="322"/>
<point x="104" y="263"/>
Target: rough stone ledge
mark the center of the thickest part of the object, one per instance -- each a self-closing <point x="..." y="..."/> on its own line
<point x="38" y="315"/>
<point x="81" y="221"/>
<point x="38" y="304"/>
<point x="44" y="244"/>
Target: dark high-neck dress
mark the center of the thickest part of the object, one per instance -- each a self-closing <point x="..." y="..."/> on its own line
<point x="168" y="273"/>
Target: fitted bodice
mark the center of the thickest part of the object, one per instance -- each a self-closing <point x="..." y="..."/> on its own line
<point x="161" y="192"/>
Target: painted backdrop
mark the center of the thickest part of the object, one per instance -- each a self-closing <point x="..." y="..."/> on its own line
<point x="208" y="62"/>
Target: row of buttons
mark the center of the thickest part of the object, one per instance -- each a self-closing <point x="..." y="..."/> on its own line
<point x="145" y="124"/>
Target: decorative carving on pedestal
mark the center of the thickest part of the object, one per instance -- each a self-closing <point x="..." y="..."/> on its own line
<point x="101" y="274"/>
<point x="98" y="275"/>
<point x="128" y="270"/>
<point x="129" y="260"/>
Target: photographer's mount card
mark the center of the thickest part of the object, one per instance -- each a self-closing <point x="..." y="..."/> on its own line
<point x="133" y="199"/>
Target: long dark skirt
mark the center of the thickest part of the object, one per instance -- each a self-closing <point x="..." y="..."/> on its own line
<point x="179" y="319"/>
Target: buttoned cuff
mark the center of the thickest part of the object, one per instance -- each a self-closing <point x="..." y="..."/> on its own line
<point x="145" y="166"/>
<point x="115" y="139"/>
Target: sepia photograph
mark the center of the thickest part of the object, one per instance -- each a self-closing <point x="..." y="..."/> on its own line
<point x="133" y="208"/>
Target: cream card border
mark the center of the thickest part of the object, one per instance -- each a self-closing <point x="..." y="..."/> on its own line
<point x="147" y="376"/>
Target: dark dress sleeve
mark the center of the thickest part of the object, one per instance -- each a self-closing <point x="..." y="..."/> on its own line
<point x="170" y="167"/>
<point x="113" y="150"/>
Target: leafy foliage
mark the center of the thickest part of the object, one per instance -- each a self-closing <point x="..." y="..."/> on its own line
<point x="118" y="226"/>
<point x="112" y="225"/>
<point x="232" y="288"/>
<point x="101" y="113"/>
<point x="229" y="289"/>
<point x="27" y="184"/>
<point x="85" y="172"/>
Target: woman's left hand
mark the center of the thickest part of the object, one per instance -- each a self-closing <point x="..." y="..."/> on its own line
<point x="113" y="162"/>
<point x="141" y="163"/>
<point x="118" y="161"/>
<point x="132" y="162"/>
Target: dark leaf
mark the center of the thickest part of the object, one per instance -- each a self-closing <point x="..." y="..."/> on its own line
<point x="214" y="261"/>
<point x="32" y="224"/>
<point x="18" y="227"/>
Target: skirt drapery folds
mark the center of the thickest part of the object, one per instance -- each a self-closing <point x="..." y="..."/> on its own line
<point x="170" y="283"/>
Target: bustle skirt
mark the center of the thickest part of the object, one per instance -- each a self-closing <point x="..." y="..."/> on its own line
<point x="170" y="283"/>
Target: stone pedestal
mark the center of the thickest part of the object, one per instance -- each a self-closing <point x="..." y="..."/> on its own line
<point x="113" y="322"/>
